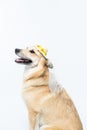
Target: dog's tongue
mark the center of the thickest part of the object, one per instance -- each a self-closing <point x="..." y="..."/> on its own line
<point x="19" y="60"/>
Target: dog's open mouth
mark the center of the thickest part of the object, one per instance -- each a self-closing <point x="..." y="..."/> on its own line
<point x="24" y="61"/>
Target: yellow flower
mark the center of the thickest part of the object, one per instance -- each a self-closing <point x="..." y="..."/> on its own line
<point x="42" y="50"/>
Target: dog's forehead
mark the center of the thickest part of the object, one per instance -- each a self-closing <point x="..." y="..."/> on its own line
<point x="37" y="51"/>
<point x="32" y="48"/>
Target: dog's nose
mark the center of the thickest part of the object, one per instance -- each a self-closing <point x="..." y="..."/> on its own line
<point x="17" y="50"/>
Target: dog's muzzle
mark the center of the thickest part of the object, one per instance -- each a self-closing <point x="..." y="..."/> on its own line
<point x="22" y="59"/>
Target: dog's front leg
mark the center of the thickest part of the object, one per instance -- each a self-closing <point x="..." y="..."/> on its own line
<point x="32" y="119"/>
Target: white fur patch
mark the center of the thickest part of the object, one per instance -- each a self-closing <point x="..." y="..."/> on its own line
<point x="53" y="84"/>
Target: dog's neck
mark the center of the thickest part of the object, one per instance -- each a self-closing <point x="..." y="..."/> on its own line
<point x="36" y="76"/>
<point x="28" y="71"/>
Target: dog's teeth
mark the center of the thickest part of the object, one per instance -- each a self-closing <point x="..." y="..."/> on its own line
<point x="19" y="60"/>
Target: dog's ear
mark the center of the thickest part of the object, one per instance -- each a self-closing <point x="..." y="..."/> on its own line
<point x="49" y="64"/>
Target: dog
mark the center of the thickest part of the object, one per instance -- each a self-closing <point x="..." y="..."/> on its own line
<point x="48" y="104"/>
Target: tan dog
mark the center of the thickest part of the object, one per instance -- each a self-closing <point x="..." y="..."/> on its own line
<point x="48" y="109"/>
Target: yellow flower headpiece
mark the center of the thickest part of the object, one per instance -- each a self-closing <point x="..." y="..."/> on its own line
<point x="42" y="50"/>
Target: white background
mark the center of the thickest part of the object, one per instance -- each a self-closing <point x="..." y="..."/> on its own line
<point x="59" y="25"/>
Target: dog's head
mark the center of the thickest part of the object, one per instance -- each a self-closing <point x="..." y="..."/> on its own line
<point x="31" y="56"/>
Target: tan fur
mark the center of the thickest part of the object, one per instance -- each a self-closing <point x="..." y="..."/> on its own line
<point x="47" y="110"/>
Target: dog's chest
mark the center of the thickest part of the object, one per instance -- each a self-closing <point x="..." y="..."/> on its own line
<point x="31" y="99"/>
<point x="34" y="97"/>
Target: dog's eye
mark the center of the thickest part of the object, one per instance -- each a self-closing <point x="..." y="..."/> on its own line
<point x="32" y="51"/>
